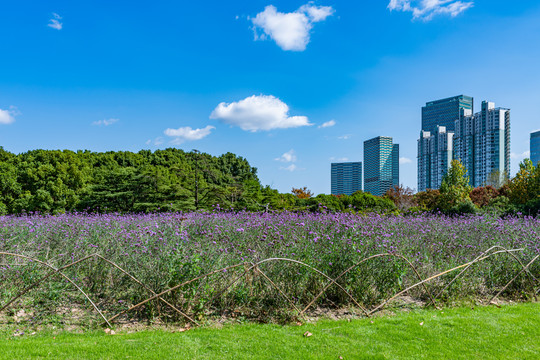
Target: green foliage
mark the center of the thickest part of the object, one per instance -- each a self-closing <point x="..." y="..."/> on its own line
<point x="525" y="186"/>
<point x="455" y="190"/>
<point x="164" y="180"/>
<point x="426" y="200"/>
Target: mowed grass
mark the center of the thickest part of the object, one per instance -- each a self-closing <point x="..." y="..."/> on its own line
<point x="510" y="332"/>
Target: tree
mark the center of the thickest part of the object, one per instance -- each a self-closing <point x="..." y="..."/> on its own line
<point x="483" y="196"/>
<point x="497" y="179"/>
<point x="302" y="193"/>
<point x="525" y="186"/>
<point x="402" y="197"/>
<point x="427" y="200"/>
<point x="455" y="189"/>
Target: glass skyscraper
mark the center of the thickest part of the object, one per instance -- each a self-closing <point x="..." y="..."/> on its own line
<point x="445" y="112"/>
<point x="346" y="178"/>
<point x="535" y="147"/>
<point x="381" y="165"/>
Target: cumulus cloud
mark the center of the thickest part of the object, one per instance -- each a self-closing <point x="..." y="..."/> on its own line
<point x="290" y="31"/>
<point x="289" y="156"/>
<point x="327" y="124"/>
<point x="105" y="122"/>
<point x="427" y="9"/>
<point x="258" y="113"/>
<point x="7" y="116"/>
<point x="55" y="22"/>
<point x="404" y="160"/>
<point x="183" y="134"/>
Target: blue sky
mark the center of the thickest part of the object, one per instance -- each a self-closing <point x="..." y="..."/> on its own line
<point x="260" y="78"/>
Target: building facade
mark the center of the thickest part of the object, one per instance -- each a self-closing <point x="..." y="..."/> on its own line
<point x="535" y="147"/>
<point x="482" y="144"/>
<point x="435" y="152"/>
<point x="381" y="165"/>
<point x="435" y="144"/>
<point x="346" y="178"/>
<point x="445" y="112"/>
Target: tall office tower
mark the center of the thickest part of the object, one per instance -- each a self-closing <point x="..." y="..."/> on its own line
<point x="435" y="156"/>
<point x="395" y="165"/>
<point x="346" y="178"/>
<point x="482" y="144"/>
<point x="535" y="147"/>
<point x="381" y="165"/>
<point x="444" y="112"/>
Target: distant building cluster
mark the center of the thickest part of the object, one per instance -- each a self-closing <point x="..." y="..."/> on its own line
<point x="381" y="169"/>
<point x="451" y="130"/>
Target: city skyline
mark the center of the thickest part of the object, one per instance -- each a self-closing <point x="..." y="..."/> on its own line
<point x="290" y="86"/>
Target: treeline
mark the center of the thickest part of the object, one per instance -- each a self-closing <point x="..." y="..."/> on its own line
<point x="521" y="194"/>
<point x="164" y="180"/>
<point x="53" y="181"/>
<point x="173" y="180"/>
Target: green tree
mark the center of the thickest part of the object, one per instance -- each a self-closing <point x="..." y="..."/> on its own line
<point x="525" y="186"/>
<point x="455" y="190"/>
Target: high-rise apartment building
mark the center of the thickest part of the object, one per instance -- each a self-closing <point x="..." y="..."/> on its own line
<point x="381" y="165"/>
<point x="535" y="147"/>
<point x="434" y="157"/>
<point x="346" y="178"/>
<point x="482" y="144"/>
<point x="435" y="143"/>
<point x="445" y="112"/>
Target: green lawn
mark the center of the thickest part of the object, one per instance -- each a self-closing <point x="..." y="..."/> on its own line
<point x="510" y="332"/>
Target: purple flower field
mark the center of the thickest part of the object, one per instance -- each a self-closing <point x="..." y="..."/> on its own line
<point x="163" y="250"/>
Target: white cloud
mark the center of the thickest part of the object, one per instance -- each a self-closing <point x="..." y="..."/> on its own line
<point x="258" y="113"/>
<point x="345" y="137"/>
<point x="427" y="9"/>
<point x="404" y="160"/>
<point x="523" y="155"/>
<point x="290" y="31"/>
<point x="289" y="156"/>
<point x="327" y="124"/>
<point x="105" y="122"/>
<point x="290" y="168"/>
<point x="7" y="116"/>
<point x="55" y="22"/>
<point x="188" y="134"/>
